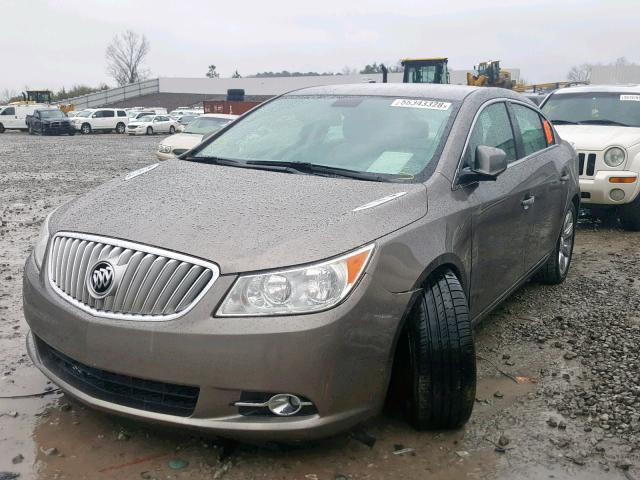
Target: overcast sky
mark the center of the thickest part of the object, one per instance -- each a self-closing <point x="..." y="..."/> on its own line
<point x="48" y="44"/>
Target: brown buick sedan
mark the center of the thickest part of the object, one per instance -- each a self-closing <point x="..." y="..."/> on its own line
<point x="281" y="279"/>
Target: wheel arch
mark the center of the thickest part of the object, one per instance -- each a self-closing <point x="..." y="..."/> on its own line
<point x="441" y="264"/>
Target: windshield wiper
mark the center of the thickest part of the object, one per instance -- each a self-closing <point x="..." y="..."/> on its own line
<point x="604" y="121"/>
<point x="315" y="169"/>
<point x="214" y="161"/>
<point x="564" y="122"/>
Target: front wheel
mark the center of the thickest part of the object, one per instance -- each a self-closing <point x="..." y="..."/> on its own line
<point x="120" y="128"/>
<point x="149" y="131"/>
<point x="85" y="129"/>
<point x="630" y="215"/>
<point x="30" y="129"/>
<point x="441" y="356"/>
<point x="1" y="128"/>
<point x="555" y="270"/>
<point x="172" y="129"/>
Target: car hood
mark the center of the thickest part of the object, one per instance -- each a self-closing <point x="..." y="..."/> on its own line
<point x="242" y="219"/>
<point x="183" y="140"/>
<point x="599" y="137"/>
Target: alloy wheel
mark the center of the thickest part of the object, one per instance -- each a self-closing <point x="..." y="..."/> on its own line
<point x="566" y="242"/>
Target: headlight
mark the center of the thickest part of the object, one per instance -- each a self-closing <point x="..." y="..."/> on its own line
<point x="614" y="157"/>
<point x="41" y="245"/>
<point x="164" y="149"/>
<point x="298" y="290"/>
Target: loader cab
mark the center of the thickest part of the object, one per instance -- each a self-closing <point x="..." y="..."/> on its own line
<point x="426" y="70"/>
<point x="37" y="96"/>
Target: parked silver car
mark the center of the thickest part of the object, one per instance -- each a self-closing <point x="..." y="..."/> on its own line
<point x="333" y="245"/>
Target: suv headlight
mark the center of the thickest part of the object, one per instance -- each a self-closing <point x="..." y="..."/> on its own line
<point x="41" y="245"/>
<point x="614" y="157"/>
<point x="164" y="149"/>
<point x="297" y="290"/>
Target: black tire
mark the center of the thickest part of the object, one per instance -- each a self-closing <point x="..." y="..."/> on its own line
<point x="630" y="215"/>
<point x="172" y="129"/>
<point x="149" y="131"/>
<point x="553" y="272"/>
<point x="30" y="130"/>
<point x="120" y="128"/>
<point x="85" y="129"/>
<point x="1" y="128"/>
<point x="441" y="356"/>
<point x="72" y="133"/>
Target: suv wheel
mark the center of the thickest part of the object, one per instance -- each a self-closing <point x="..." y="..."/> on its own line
<point x="85" y="129"/>
<point x="120" y="128"/>
<point x="630" y="215"/>
<point x="442" y="361"/>
<point x="555" y="270"/>
<point x="149" y="131"/>
<point x="1" y="128"/>
<point x="172" y="129"/>
<point x="30" y="130"/>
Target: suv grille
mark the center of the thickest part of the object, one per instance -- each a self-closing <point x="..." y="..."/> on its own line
<point x="587" y="164"/>
<point x="133" y="392"/>
<point x="148" y="283"/>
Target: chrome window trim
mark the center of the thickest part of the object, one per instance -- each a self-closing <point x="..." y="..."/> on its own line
<point x="215" y="270"/>
<point x="454" y="184"/>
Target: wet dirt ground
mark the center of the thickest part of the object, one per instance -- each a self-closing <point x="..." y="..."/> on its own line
<point x="558" y="393"/>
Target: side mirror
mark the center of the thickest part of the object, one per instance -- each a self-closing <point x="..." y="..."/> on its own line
<point x="95" y="115"/>
<point x="488" y="163"/>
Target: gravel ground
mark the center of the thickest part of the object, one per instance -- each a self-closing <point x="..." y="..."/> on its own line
<point x="558" y="393"/>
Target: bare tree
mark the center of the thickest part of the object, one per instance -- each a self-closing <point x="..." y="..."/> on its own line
<point x="8" y="95"/>
<point x="125" y="55"/>
<point x="580" y="73"/>
<point x="236" y="74"/>
<point x="211" y="72"/>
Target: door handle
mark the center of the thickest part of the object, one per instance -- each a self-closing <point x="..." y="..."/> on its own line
<point x="527" y="202"/>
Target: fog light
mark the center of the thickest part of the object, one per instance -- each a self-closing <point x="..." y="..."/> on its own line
<point x="616" y="194"/>
<point x="280" y="404"/>
<point x="284" y="405"/>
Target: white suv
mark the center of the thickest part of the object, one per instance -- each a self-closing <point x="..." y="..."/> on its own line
<point x="101" y="119"/>
<point x="603" y="124"/>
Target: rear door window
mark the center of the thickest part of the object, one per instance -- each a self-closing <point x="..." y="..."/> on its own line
<point x="493" y="129"/>
<point x="532" y="130"/>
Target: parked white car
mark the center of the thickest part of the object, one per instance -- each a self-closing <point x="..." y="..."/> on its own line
<point x="101" y="119"/>
<point x="603" y="123"/>
<point x="151" y="124"/>
<point x="12" y="117"/>
<point x="193" y="134"/>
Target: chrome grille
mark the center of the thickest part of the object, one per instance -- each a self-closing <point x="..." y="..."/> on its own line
<point x="152" y="284"/>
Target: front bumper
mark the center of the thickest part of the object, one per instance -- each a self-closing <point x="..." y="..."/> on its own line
<point x="339" y="359"/>
<point x="137" y="131"/>
<point x="597" y="189"/>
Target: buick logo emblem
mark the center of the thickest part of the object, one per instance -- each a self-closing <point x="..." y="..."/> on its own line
<point x="101" y="279"/>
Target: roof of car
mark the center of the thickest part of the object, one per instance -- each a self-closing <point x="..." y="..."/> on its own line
<point x="629" y="88"/>
<point x="431" y="91"/>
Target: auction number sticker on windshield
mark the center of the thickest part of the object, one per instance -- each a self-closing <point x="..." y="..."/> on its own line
<point x="630" y="98"/>
<point x="417" y="103"/>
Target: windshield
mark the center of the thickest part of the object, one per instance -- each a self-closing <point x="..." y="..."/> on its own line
<point x="206" y="125"/>
<point x="596" y="108"/>
<point x="367" y="134"/>
<point x="145" y="118"/>
<point x="52" y="114"/>
<point x="84" y="113"/>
